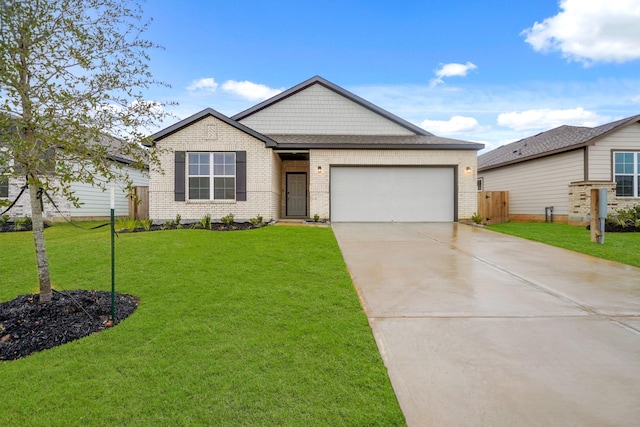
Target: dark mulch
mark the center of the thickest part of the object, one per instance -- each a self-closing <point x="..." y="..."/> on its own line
<point x="10" y="226"/>
<point x="236" y="226"/>
<point x="617" y="228"/>
<point x="27" y="327"/>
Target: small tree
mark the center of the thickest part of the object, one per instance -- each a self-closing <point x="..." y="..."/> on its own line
<point x="71" y="79"/>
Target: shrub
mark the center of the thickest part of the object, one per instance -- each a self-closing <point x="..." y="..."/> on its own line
<point x="22" y="223"/>
<point x="227" y="220"/>
<point x="205" y="222"/>
<point x="146" y="224"/>
<point x="316" y="218"/>
<point x="477" y="219"/>
<point x="626" y="217"/>
<point x="257" y="221"/>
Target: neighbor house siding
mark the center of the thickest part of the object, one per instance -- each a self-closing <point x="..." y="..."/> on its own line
<point x="211" y="134"/>
<point x="319" y="182"/>
<point x="97" y="203"/>
<point x="321" y="111"/>
<point x="600" y="160"/>
<point x="537" y="184"/>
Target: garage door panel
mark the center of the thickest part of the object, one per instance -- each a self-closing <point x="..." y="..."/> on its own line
<point x="382" y="194"/>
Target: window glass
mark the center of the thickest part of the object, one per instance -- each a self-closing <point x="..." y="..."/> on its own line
<point x="217" y="182"/>
<point x="4" y="187"/>
<point x="199" y="188"/>
<point x="624" y="186"/>
<point x="224" y="188"/>
<point x="199" y="164"/>
<point x="624" y="163"/>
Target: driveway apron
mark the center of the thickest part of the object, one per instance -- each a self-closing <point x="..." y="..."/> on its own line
<point x="477" y="328"/>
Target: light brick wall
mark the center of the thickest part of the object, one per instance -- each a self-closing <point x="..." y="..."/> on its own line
<point x="319" y="182"/>
<point x="211" y="134"/>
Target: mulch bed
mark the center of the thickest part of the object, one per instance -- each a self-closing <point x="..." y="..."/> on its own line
<point x="8" y="227"/>
<point x="616" y="228"/>
<point x="27" y="327"/>
<point x="236" y="226"/>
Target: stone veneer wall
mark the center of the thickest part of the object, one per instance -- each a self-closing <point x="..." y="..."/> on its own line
<point x="580" y="200"/>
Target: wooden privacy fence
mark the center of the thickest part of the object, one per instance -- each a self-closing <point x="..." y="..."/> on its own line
<point x="139" y="204"/>
<point x="493" y="206"/>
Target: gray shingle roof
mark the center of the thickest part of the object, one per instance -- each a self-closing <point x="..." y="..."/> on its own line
<point x="563" y="138"/>
<point x="373" y="141"/>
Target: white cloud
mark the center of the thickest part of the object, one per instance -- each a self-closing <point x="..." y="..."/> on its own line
<point x="590" y="31"/>
<point x="249" y="90"/>
<point x="452" y="70"/>
<point x="548" y="119"/>
<point x="206" y="84"/>
<point x="455" y="125"/>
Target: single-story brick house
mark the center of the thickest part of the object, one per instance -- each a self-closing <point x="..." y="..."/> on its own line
<point x="314" y="149"/>
<point x="558" y="168"/>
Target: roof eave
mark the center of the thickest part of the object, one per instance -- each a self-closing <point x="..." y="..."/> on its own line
<point x="470" y="146"/>
<point x="534" y="156"/>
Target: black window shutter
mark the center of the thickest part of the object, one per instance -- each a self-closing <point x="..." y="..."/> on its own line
<point x="241" y="176"/>
<point x="179" y="176"/>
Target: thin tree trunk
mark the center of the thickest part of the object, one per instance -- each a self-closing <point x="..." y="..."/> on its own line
<point x="38" y="238"/>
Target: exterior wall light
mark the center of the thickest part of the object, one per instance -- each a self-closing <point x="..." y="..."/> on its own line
<point x="467" y="170"/>
<point x="319" y="169"/>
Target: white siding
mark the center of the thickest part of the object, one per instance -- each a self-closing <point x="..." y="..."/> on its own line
<point x="600" y="160"/>
<point x="320" y="111"/>
<point x="97" y="203"/>
<point x="536" y="184"/>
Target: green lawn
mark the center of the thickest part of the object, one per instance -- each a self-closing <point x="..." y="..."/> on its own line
<point x="621" y="247"/>
<point x="251" y="328"/>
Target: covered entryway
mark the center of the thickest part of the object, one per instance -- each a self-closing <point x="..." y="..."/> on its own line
<point x="393" y="193"/>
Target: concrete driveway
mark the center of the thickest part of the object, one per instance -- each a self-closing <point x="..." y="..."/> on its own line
<point x="477" y="328"/>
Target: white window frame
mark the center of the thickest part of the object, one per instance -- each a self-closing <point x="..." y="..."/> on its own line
<point x="635" y="174"/>
<point x="211" y="175"/>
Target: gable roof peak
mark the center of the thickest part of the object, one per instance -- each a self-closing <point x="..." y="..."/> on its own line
<point x="340" y="91"/>
<point x="210" y="112"/>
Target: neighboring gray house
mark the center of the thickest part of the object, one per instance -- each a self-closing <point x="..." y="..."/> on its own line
<point x="315" y="149"/>
<point x="558" y="168"/>
<point x="95" y="203"/>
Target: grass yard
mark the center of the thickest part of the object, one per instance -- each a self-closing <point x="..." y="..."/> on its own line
<point x="621" y="247"/>
<point x="247" y="328"/>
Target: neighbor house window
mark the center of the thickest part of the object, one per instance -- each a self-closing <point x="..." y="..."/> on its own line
<point x="211" y="176"/>
<point x="626" y="173"/>
<point x="4" y="187"/>
<point x="480" y="183"/>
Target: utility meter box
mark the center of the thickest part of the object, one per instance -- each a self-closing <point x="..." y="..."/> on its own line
<point x="602" y="203"/>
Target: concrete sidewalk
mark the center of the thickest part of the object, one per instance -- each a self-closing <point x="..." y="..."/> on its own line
<point x="479" y="328"/>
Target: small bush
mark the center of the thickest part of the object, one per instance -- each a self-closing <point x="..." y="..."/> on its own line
<point x="316" y="218"/>
<point x="477" y="219"/>
<point x="4" y="219"/>
<point x="227" y="220"/>
<point x="146" y="224"/>
<point x="22" y="223"/>
<point x="626" y="217"/>
<point x="257" y="221"/>
<point x="205" y="222"/>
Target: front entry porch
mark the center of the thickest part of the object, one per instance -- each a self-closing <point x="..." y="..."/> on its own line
<point x="294" y="176"/>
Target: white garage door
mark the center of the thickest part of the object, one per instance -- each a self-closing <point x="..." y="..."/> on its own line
<point x="383" y="194"/>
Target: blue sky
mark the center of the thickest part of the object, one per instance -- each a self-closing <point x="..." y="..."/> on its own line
<point x="491" y="71"/>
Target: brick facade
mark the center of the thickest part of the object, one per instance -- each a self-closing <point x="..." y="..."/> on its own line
<point x="211" y="134"/>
